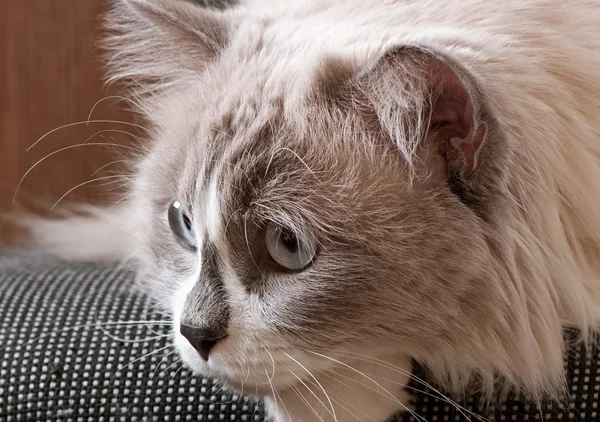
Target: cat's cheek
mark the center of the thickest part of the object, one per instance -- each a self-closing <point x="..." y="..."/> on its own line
<point x="185" y="350"/>
<point x="179" y="297"/>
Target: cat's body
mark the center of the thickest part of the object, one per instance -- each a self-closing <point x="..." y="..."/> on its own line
<point x="445" y="155"/>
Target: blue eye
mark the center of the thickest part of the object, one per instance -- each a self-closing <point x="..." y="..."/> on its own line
<point x="287" y="250"/>
<point x="181" y="225"/>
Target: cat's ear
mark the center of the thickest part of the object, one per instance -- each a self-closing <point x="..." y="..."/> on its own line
<point x="430" y="106"/>
<point x="152" y="44"/>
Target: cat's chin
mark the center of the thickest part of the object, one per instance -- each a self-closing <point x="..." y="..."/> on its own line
<point x="250" y="378"/>
<point x="246" y="385"/>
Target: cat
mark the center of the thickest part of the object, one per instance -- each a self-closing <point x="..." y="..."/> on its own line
<point x="333" y="189"/>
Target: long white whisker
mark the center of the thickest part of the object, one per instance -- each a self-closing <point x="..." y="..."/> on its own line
<point x="139" y="340"/>
<point x="313" y="393"/>
<point x="100" y="327"/>
<point x="108" y="97"/>
<point x="110" y="177"/>
<point x="113" y="131"/>
<point x="61" y="150"/>
<point x="297" y="391"/>
<point x="94" y="325"/>
<point x="273" y="363"/>
<point x="140" y="358"/>
<point x="273" y="391"/>
<point x="442" y="398"/>
<point x="318" y="383"/>
<point x="450" y="402"/>
<point x="401" y="371"/>
<point x="118" y="202"/>
<point x="87" y="122"/>
<point x="337" y="376"/>
<point x="177" y="362"/>
<point x="341" y="403"/>
<point x="390" y="395"/>
<point x="109" y="164"/>
<point x="161" y="361"/>
<point x="176" y="372"/>
<point x="245" y="381"/>
<point x="218" y="390"/>
<point x="283" y="404"/>
<point x="337" y="399"/>
<point x="328" y="375"/>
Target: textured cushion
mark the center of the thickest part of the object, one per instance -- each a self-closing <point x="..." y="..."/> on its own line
<point x="77" y="343"/>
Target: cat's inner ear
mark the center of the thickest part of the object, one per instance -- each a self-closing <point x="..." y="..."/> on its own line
<point x="430" y="107"/>
<point x="153" y="44"/>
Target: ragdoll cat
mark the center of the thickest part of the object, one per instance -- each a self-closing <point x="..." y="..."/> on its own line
<point x="334" y="188"/>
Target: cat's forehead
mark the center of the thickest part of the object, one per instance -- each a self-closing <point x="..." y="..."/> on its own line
<point x="251" y="114"/>
<point x="268" y="122"/>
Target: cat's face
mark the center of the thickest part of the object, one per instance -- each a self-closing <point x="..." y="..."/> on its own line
<point x="299" y="232"/>
<point x="302" y="243"/>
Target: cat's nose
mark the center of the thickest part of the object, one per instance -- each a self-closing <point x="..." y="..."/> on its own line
<point x="202" y="339"/>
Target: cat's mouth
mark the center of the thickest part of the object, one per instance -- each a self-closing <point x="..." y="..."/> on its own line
<point x="245" y="371"/>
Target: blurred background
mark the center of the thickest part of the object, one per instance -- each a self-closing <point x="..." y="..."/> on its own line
<point x="51" y="76"/>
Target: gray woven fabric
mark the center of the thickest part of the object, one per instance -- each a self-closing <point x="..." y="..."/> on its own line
<point x="72" y="348"/>
<point x="64" y="356"/>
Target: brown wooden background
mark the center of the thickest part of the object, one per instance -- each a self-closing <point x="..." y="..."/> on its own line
<point x="50" y="76"/>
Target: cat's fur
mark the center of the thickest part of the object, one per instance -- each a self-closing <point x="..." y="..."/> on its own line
<point x="319" y="115"/>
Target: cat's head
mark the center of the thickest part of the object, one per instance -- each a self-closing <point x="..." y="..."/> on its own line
<point x="304" y="203"/>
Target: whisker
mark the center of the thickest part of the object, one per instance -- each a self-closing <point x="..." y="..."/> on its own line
<point x="95" y="325"/>
<point x="140" y="358"/>
<point x="109" y="164"/>
<point x="273" y="362"/>
<point x="337" y="376"/>
<point x="273" y="391"/>
<point x="328" y="375"/>
<point x="218" y="390"/>
<point x="401" y="371"/>
<point x="161" y="361"/>
<point x="108" y="97"/>
<point x="442" y="398"/>
<point x="339" y="402"/>
<point x="245" y="381"/>
<point x="301" y="396"/>
<point x="318" y="383"/>
<point x="83" y="184"/>
<point x="334" y="397"/>
<point x="113" y="131"/>
<point x="450" y="402"/>
<point x="141" y="340"/>
<point x="176" y="372"/>
<point x="124" y="340"/>
<point x="126" y="197"/>
<point x="390" y="395"/>
<point x="86" y="122"/>
<point x="177" y="362"/>
<point x="312" y="392"/>
<point x="283" y="404"/>
<point x="61" y="150"/>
